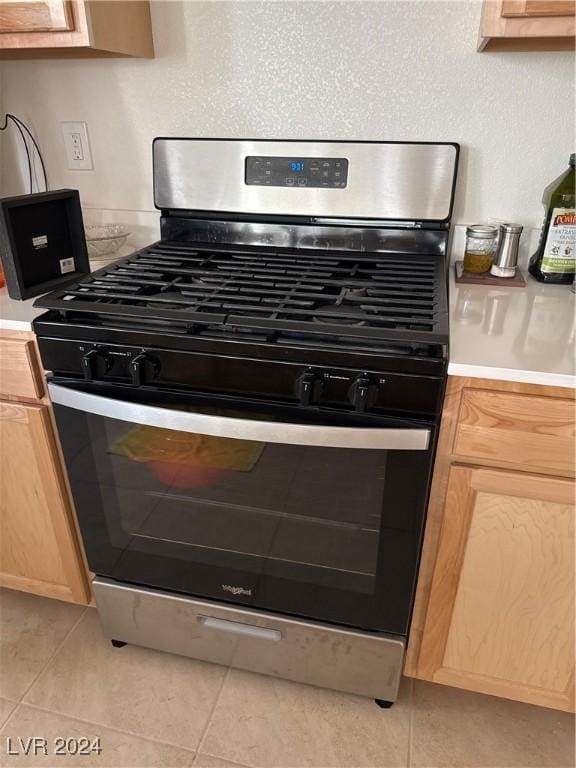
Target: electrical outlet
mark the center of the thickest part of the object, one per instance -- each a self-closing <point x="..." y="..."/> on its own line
<point x="77" y="146"/>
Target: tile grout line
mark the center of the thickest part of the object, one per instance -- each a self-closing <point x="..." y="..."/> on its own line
<point x="217" y="757"/>
<point x="211" y="715"/>
<point x="102" y="725"/>
<point x="10" y="716"/>
<point x="53" y="655"/>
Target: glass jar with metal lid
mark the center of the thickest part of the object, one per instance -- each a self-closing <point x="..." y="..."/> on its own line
<point x="480" y="247"/>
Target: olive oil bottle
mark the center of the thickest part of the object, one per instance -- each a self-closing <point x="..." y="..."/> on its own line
<point x="555" y="257"/>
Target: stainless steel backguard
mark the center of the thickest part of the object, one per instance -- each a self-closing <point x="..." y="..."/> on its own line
<point x="303" y="651"/>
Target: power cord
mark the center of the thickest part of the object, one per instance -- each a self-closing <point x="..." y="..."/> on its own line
<point x="23" y="137"/>
<point x="19" y="124"/>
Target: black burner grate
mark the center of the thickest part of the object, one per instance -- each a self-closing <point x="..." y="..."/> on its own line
<point x="309" y="297"/>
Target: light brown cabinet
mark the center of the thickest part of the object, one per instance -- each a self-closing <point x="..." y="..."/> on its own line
<point x="501" y="612"/>
<point x="20" y="376"/>
<point x="39" y="547"/>
<point x="527" y="25"/>
<point x="42" y="16"/>
<point x="537" y="8"/>
<point x="75" y="28"/>
<point x="494" y="611"/>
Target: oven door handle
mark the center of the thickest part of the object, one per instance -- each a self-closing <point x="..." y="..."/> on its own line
<point x="242" y="429"/>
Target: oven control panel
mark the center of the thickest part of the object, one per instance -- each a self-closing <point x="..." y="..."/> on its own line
<point x="331" y="172"/>
<point x="271" y="381"/>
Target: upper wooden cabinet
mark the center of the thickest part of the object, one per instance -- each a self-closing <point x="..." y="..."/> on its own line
<point x="75" y="29"/>
<point x="32" y="16"/>
<point x="537" y="8"/>
<point x="527" y="25"/>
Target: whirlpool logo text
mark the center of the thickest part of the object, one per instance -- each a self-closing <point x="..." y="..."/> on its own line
<point x="236" y="590"/>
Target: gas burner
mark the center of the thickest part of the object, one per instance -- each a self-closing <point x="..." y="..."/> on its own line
<point x="355" y="292"/>
<point x="340" y="315"/>
<point x="345" y="321"/>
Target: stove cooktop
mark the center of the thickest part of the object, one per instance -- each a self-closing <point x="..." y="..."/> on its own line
<point x="392" y="302"/>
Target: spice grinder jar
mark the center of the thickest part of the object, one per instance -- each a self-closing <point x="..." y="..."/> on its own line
<point x="506" y="258"/>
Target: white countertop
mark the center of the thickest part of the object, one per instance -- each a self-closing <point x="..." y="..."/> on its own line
<point x="513" y="334"/>
<point x="17" y="315"/>
<point x="510" y="334"/>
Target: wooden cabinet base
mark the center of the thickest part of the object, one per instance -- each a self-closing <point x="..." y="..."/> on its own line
<point x="42" y="588"/>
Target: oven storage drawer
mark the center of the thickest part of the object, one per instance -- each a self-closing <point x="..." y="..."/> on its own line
<point x="307" y="652"/>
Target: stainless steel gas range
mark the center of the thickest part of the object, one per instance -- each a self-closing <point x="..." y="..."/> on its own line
<point x="249" y="407"/>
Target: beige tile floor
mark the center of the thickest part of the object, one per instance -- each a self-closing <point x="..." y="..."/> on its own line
<point x="59" y="677"/>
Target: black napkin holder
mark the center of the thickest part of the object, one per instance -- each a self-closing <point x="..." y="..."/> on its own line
<point x="42" y="242"/>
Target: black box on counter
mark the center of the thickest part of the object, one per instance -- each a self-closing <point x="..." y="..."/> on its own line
<point x="42" y="242"/>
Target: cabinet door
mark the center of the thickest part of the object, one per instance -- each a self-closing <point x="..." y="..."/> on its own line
<point x="35" y="16"/>
<point x="500" y="618"/>
<point x="38" y="545"/>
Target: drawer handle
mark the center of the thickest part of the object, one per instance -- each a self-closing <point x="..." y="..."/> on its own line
<point x="238" y="628"/>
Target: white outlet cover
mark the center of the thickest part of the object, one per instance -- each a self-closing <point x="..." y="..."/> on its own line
<point x="77" y="146"/>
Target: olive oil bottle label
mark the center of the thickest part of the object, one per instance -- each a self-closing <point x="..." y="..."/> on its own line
<point x="560" y="249"/>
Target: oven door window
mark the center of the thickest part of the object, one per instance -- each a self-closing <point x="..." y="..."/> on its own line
<point x="311" y="526"/>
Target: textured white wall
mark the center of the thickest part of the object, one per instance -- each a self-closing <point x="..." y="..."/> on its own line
<point x="354" y="70"/>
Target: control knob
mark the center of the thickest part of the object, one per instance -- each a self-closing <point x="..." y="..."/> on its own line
<point x="143" y="367"/>
<point x="363" y="393"/>
<point x="96" y="360"/>
<point x="309" y="387"/>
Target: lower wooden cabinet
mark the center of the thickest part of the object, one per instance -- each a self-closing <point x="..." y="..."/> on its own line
<point x="38" y="546"/>
<point x="494" y="609"/>
<point x="501" y="612"/>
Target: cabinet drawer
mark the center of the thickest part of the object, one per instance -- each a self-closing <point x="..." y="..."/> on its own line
<point x="20" y="374"/>
<point x="525" y="430"/>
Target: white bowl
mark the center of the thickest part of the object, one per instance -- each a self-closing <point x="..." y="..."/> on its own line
<point x="105" y="239"/>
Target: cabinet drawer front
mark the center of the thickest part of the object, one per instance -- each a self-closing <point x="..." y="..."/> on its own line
<point x="524" y="430"/>
<point x="20" y="374"/>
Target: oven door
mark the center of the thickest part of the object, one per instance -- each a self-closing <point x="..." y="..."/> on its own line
<point x="304" y="511"/>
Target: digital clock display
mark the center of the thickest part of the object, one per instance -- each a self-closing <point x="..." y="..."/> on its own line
<point x="295" y="172"/>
